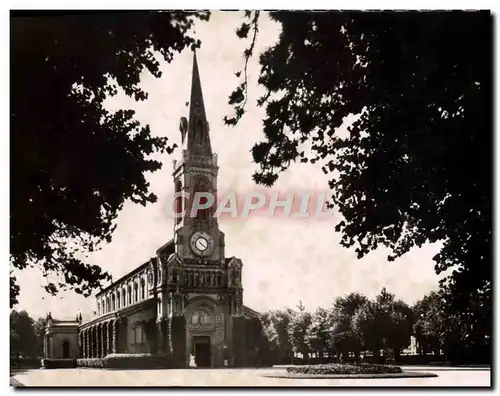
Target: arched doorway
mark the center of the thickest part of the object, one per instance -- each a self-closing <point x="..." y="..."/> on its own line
<point x="65" y="349"/>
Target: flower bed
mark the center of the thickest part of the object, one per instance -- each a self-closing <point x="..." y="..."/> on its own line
<point x="337" y="368"/>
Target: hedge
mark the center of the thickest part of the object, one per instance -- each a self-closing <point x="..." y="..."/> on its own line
<point x="25" y="363"/>
<point x="58" y="363"/>
<point x="338" y="368"/>
<point x="127" y="361"/>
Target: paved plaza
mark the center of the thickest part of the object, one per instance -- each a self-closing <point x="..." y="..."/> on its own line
<point x="456" y="377"/>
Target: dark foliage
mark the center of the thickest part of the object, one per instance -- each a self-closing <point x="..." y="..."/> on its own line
<point x="416" y="164"/>
<point x="24" y="340"/>
<point x="73" y="164"/>
<point x="58" y="363"/>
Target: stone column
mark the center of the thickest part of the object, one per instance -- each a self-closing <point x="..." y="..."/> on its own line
<point x="99" y="341"/>
<point x="114" y="336"/>
<point x="49" y="346"/>
<point x="89" y="338"/>
<point x="104" y="339"/>
<point x="79" y="339"/>
<point x="89" y="335"/>
<point x="84" y="346"/>
<point x="160" y="337"/>
<point x="89" y="344"/>
<point x="86" y="339"/>
<point x="94" y="343"/>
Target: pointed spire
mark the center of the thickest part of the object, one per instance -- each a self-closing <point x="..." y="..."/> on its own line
<point x="198" y="139"/>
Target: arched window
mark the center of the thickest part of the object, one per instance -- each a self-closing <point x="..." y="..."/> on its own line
<point x="129" y="293"/>
<point x="136" y="292"/>
<point x="178" y="201"/>
<point x="124" y="298"/>
<point x="118" y="300"/>
<point x="107" y="305"/>
<point x="143" y="289"/>
<point x="202" y="186"/>
<point x="98" y="309"/>
<point x="113" y="302"/>
<point x="138" y="334"/>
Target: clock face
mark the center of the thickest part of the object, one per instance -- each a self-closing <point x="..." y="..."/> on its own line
<point x="202" y="244"/>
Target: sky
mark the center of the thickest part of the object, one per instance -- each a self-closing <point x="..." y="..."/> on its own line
<point x="285" y="260"/>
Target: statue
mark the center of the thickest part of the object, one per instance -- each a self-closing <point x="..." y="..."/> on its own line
<point x="183" y="127"/>
<point x="212" y="279"/>
<point x="201" y="279"/>
<point x="185" y="278"/>
<point x="192" y="363"/>
<point x="196" y="278"/>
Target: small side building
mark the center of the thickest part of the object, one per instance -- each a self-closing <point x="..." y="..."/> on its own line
<point x="61" y="338"/>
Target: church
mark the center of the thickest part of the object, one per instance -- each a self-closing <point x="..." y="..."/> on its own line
<point x="186" y="301"/>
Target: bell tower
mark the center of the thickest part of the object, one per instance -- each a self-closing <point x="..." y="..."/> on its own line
<point x="198" y="239"/>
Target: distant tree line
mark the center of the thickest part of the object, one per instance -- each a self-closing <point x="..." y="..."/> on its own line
<point x="352" y="325"/>
<point x="355" y="324"/>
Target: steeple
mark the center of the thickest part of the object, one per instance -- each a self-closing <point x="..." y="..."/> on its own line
<point x="195" y="134"/>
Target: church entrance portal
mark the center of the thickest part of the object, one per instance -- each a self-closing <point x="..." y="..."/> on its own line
<point x="201" y="347"/>
<point x="65" y="349"/>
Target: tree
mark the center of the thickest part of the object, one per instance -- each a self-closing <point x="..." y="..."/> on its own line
<point x="23" y="340"/>
<point x="429" y="325"/>
<point x="73" y="163"/>
<point x="319" y="331"/>
<point x="275" y="329"/>
<point x="414" y="164"/>
<point x="342" y="338"/>
<point x="385" y="323"/>
<point x="298" y="329"/>
<point x="39" y="327"/>
<point x="366" y="324"/>
<point x="400" y="327"/>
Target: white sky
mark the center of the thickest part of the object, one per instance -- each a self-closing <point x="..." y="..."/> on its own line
<point x="284" y="260"/>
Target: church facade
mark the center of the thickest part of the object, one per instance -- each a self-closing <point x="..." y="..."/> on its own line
<point x="187" y="300"/>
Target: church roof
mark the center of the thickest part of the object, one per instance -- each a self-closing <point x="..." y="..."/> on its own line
<point x="167" y="248"/>
<point x="250" y="312"/>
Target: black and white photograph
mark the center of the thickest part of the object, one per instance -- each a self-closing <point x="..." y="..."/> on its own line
<point x="249" y="198"/>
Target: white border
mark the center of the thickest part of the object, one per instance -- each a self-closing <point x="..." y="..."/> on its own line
<point x="187" y="4"/>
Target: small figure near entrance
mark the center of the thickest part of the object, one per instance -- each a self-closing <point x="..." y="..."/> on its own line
<point x="192" y="363"/>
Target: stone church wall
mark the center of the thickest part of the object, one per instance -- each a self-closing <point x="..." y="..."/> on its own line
<point x="178" y="341"/>
<point x="140" y="318"/>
